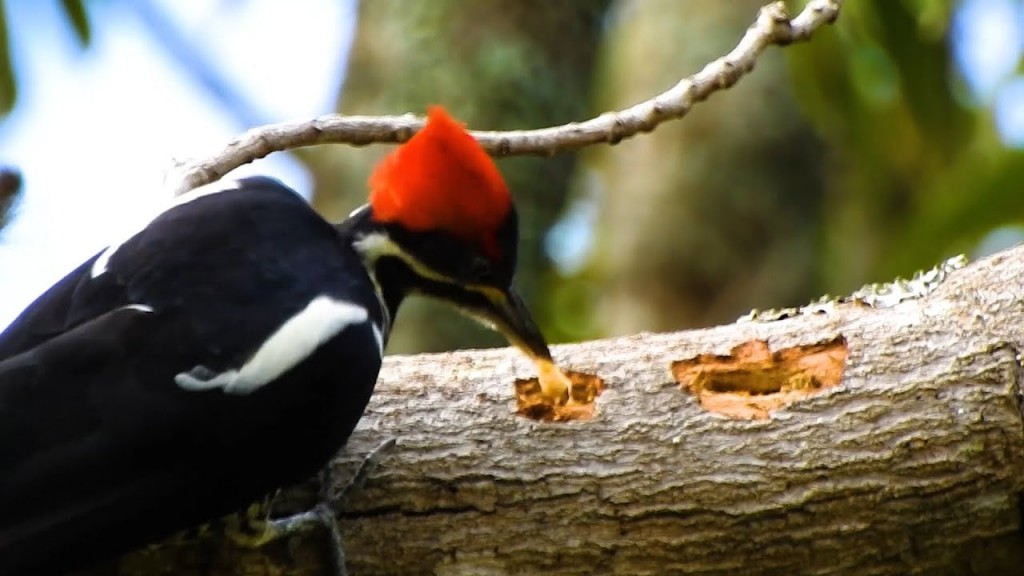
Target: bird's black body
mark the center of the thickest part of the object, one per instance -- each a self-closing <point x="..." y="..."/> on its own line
<point x="229" y="348"/>
<point x="103" y="446"/>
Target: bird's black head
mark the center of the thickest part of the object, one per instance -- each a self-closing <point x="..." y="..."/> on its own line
<point x="441" y="223"/>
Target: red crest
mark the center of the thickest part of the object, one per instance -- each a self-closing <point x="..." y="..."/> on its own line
<point x="442" y="180"/>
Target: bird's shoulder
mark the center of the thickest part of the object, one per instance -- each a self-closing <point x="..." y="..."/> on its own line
<point x="233" y="261"/>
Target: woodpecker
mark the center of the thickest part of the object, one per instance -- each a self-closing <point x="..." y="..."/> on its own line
<point x="229" y="347"/>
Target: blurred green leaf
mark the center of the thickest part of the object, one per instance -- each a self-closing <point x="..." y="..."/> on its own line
<point x="75" y="12"/>
<point x="977" y="195"/>
<point x="8" y="87"/>
<point x="923" y="62"/>
<point x="874" y="75"/>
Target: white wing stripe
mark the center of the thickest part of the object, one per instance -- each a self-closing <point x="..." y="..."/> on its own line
<point x="292" y="343"/>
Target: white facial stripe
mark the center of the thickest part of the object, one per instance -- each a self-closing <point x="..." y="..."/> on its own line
<point x="362" y="208"/>
<point x="103" y="261"/>
<point x="379" y="336"/>
<point x="372" y="247"/>
<point x="378" y="244"/>
<point x="292" y="343"/>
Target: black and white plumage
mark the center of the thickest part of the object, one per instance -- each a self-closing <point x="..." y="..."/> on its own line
<point x="229" y="348"/>
<point x="236" y="337"/>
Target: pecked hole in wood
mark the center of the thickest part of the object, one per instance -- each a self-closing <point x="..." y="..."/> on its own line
<point x="752" y="381"/>
<point x="580" y="405"/>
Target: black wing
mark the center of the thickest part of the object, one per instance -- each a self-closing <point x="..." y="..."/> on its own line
<point x="49" y="315"/>
<point x="100" y="450"/>
<point x="64" y="466"/>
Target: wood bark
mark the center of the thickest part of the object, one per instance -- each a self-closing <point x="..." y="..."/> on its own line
<point x="912" y="464"/>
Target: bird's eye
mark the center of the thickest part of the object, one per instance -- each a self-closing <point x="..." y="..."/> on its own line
<point x="481" y="269"/>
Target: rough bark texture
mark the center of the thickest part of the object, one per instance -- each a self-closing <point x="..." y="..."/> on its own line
<point x="913" y="464"/>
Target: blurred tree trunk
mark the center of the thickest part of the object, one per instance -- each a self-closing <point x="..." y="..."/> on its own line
<point x="707" y="218"/>
<point x="494" y="65"/>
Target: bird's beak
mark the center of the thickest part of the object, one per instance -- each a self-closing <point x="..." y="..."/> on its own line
<point x="507" y="311"/>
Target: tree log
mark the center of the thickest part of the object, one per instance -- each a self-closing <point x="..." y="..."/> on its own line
<point x="912" y="464"/>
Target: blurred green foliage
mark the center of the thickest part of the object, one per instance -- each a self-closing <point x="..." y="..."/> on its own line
<point x="75" y="12"/>
<point x="917" y="174"/>
<point x="8" y="88"/>
<point x="78" y="18"/>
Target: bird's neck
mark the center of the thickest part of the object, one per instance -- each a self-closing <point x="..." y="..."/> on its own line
<point x="392" y="279"/>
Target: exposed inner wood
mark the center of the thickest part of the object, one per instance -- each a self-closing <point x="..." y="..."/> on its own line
<point x="752" y="381"/>
<point x="531" y="401"/>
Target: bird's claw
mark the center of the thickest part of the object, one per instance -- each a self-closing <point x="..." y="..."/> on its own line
<point x="323" y="514"/>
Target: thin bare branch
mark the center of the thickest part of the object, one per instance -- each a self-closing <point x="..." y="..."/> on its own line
<point x="773" y="26"/>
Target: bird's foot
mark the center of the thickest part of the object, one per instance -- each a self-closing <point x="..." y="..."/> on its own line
<point x="250" y="529"/>
<point x="324" y="514"/>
